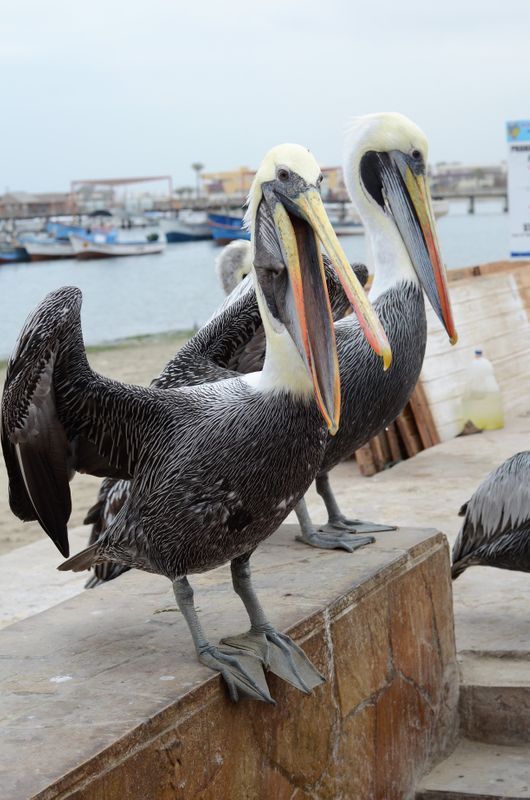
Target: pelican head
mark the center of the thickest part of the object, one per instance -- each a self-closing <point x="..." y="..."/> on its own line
<point x="288" y="222"/>
<point x="385" y="161"/>
<point x="233" y="264"/>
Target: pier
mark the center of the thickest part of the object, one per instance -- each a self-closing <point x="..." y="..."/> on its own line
<point x="472" y="196"/>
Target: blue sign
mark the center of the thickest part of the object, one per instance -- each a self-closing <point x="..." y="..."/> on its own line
<point x="518" y="131"/>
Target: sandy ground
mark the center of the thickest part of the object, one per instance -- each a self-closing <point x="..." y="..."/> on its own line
<point x="132" y="361"/>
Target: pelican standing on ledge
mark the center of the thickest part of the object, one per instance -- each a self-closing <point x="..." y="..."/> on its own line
<point x="496" y="527"/>
<point x="215" y="468"/>
<point x="234" y="345"/>
<point x="385" y="159"/>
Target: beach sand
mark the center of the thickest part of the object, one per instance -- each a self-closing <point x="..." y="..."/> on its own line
<point x="132" y="361"/>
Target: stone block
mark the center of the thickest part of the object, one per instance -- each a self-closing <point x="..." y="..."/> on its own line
<point x="106" y="701"/>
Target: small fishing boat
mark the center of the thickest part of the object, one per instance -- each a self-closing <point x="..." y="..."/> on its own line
<point x="12" y="254"/>
<point x="43" y="248"/>
<point x="347" y="228"/>
<point x="100" y="245"/>
<point x="188" y="226"/>
<point x="226" y="228"/>
<point x="345" y="221"/>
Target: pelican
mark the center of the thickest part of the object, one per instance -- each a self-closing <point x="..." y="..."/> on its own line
<point x="209" y="356"/>
<point x="215" y="467"/>
<point x="496" y="527"/>
<point x="385" y="157"/>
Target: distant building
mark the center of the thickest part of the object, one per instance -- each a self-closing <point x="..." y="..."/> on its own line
<point x="235" y="182"/>
<point x="333" y="186"/>
<point x="27" y="204"/>
<point x="454" y="176"/>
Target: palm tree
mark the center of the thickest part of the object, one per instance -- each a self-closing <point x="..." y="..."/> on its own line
<point x="198" y="167"/>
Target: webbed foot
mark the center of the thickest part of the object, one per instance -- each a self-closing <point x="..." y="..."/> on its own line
<point x="282" y="656"/>
<point x="342" y="523"/>
<point x="242" y="671"/>
<point x="334" y="540"/>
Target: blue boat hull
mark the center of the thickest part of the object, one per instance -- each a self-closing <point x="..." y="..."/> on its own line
<point x="226" y="229"/>
<point x="13" y="256"/>
<point x="176" y="236"/>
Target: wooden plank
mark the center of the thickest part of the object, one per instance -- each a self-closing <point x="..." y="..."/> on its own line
<point x="423" y="417"/>
<point x="385" y="448"/>
<point x="409" y="436"/>
<point x="377" y="453"/>
<point x="364" y="459"/>
<point x="393" y="442"/>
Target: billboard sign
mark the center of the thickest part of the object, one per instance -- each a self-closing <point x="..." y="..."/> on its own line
<point x="518" y="135"/>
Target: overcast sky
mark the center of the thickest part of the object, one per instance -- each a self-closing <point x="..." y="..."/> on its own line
<point x="138" y="87"/>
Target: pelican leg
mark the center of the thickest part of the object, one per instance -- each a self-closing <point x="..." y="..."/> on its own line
<point x="242" y="672"/>
<point x="282" y="656"/>
<point x="336" y="519"/>
<point x="327" y="539"/>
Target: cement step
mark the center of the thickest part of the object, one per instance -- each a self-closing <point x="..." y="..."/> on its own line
<point x="495" y="698"/>
<point x="478" y="771"/>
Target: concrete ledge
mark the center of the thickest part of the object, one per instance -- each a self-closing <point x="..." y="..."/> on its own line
<point x="103" y="697"/>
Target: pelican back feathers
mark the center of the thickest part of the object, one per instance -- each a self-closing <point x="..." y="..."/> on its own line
<point x="496" y="527"/>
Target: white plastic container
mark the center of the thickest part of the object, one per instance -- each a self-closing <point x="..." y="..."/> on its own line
<point x="482" y="399"/>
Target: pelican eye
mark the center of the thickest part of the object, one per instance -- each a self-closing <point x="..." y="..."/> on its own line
<point x="283" y="174"/>
<point x="320" y="179"/>
<point x="416" y="155"/>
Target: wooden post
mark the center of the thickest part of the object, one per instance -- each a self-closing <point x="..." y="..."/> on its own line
<point x="393" y="442"/>
<point x="365" y="460"/>
<point x="409" y="435"/>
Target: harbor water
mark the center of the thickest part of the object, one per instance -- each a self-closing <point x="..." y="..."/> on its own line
<point x="178" y="290"/>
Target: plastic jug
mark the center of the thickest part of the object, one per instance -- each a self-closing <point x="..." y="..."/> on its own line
<point x="482" y="399"/>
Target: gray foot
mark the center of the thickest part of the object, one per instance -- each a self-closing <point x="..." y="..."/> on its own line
<point x="334" y="540"/>
<point x="282" y="656"/>
<point x="242" y="671"/>
<point x="341" y="523"/>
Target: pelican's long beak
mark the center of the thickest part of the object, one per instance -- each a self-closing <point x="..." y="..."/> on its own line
<point x="312" y="209"/>
<point x="408" y="200"/>
<point x="306" y="310"/>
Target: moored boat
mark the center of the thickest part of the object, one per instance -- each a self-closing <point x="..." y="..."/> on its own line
<point x="225" y="228"/>
<point x="108" y="246"/>
<point x="12" y="254"/>
<point x="347" y="228"/>
<point x="188" y="226"/>
<point x="43" y="248"/>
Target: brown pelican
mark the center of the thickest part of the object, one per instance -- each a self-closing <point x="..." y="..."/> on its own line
<point x="496" y="528"/>
<point x="385" y="159"/>
<point x="211" y="356"/>
<point x="216" y="467"/>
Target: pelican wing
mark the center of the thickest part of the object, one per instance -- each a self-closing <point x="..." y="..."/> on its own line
<point x="500" y="505"/>
<point x="58" y="416"/>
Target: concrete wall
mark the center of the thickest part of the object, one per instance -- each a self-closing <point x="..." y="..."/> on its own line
<point x="383" y="638"/>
